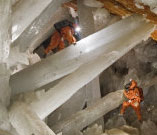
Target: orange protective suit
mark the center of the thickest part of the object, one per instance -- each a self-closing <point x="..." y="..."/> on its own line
<point x="57" y="39"/>
<point x="154" y="35"/>
<point x="133" y="94"/>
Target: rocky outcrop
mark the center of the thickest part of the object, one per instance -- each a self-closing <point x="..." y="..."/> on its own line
<point x="148" y="128"/>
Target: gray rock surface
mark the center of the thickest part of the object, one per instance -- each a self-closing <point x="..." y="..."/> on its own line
<point x="148" y="128"/>
<point x="94" y="130"/>
<point x="130" y="130"/>
<point x="115" y="122"/>
<point x="115" y="131"/>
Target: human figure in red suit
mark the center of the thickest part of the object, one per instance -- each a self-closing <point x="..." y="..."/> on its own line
<point x="58" y="38"/>
<point x="135" y="97"/>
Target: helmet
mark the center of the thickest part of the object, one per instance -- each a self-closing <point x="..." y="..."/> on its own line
<point x="133" y="84"/>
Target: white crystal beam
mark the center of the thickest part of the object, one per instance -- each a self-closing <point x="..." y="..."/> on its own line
<point x="116" y="38"/>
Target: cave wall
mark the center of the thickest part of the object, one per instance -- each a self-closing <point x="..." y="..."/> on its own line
<point x="139" y="64"/>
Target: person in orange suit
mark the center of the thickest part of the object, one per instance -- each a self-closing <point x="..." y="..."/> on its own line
<point x="135" y="97"/>
<point x="154" y="35"/>
<point x="58" y="38"/>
